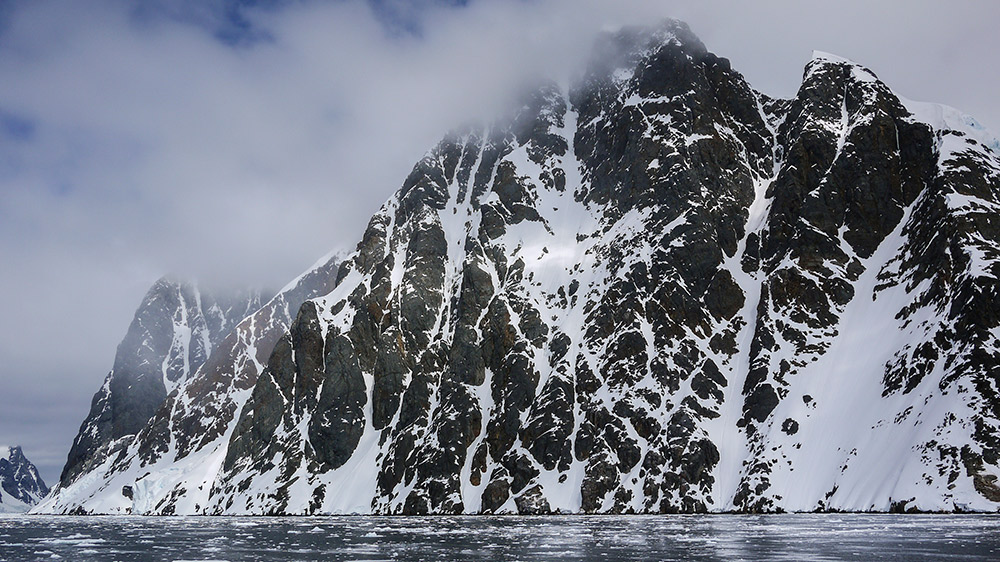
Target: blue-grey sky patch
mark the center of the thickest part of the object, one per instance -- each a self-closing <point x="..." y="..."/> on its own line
<point x="16" y="127"/>
<point x="229" y="21"/>
<point x="237" y="141"/>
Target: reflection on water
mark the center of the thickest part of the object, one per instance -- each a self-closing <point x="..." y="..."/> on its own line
<point x="445" y="539"/>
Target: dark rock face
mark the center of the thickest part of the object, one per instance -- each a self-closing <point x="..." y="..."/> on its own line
<point x="852" y="163"/>
<point x="174" y="331"/>
<point x="659" y="292"/>
<point x="19" y="480"/>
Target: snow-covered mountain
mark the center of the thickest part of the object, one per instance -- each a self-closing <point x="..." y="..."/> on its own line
<point x="190" y="359"/>
<point x="174" y="331"/>
<point x="20" y="484"/>
<point x="660" y="291"/>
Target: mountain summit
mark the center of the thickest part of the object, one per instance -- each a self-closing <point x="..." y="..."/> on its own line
<point x="659" y="291"/>
<point x="173" y="333"/>
<point x="20" y="484"/>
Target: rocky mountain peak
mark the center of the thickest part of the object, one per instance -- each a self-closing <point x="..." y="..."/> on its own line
<point x="617" y="53"/>
<point x="20" y="484"/>
<point x="175" y="329"/>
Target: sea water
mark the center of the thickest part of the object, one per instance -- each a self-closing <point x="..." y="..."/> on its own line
<point x="445" y="539"/>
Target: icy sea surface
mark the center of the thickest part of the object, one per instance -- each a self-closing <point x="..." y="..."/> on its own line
<point x="445" y="539"/>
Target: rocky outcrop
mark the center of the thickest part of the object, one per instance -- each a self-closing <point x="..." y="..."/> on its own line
<point x="20" y="484"/>
<point x="659" y="291"/>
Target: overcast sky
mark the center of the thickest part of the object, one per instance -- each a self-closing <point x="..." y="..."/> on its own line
<point x="236" y="142"/>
